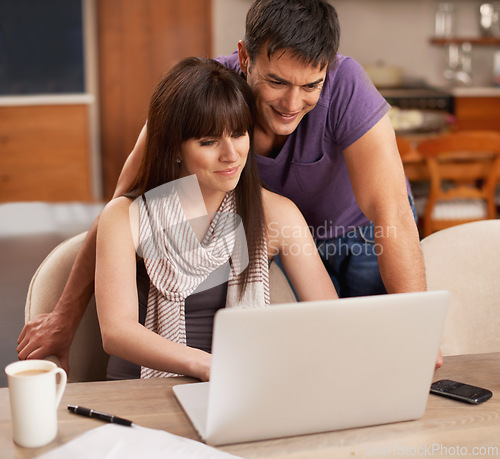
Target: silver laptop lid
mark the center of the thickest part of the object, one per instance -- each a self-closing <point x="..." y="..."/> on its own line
<point x="317" y="366"/>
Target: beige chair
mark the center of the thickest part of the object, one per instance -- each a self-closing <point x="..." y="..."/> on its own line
<point x="465" y="260"/>
<point x="87" y="359"/>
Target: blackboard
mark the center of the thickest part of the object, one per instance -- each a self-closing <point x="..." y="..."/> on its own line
<point x="41" y="47"/>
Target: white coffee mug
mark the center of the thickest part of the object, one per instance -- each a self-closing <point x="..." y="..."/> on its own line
<point x="34" y="397"/>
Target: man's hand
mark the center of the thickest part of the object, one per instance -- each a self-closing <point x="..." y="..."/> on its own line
<point x="46" y="334"/>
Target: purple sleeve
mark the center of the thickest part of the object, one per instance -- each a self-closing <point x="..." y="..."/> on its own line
<point x="356" y="105"/>
<point x="230" y="61"/>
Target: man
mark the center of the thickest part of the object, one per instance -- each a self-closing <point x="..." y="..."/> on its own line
<point x="323" y="138"/>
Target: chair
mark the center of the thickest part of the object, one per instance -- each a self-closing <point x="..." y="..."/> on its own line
<point x="465" y="260"/>
<point x="87" y="359"/>
<point x="412" y="159"/>
<point x="463" y="169"/>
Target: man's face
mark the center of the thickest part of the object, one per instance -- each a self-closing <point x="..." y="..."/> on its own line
<point x="285" y="88"/>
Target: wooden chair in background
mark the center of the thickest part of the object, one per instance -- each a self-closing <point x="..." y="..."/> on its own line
<point x="463" y="169"/>
<point x="414" y="169"/>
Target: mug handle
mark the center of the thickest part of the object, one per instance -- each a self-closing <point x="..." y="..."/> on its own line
<point x="61" y="385"/>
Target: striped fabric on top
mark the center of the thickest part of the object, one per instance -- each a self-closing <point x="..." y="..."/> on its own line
<point x="177" y="262"/>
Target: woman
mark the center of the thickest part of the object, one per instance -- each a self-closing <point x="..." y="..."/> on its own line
<point x="197" y="216"/>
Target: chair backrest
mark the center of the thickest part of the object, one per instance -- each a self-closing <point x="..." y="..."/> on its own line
<point x="463" y="168"/>
<point x="465" y="260"/>
<point x="87" y="359"/>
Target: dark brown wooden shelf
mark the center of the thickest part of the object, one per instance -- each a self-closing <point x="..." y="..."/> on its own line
<point x="476" y="41"/>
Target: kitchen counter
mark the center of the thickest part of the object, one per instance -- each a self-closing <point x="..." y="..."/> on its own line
<point x="475" y="91"/>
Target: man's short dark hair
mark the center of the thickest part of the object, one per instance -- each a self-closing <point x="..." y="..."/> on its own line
<point x="309" y="28"/>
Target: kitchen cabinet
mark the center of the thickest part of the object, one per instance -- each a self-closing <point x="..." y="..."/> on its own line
<point x="477" y="113"/>
<point x="44" y="153"/>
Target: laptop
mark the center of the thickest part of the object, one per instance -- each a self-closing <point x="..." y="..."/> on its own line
<point x="310" y="367"/>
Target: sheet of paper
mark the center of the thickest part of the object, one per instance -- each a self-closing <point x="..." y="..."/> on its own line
<point x="114" y="441"/>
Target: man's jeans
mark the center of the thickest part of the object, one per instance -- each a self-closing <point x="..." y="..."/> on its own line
<point x="351" y="260"/>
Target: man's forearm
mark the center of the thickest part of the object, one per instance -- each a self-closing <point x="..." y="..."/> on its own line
<point x="80" y="285"/>
<point x="400" y="257"/>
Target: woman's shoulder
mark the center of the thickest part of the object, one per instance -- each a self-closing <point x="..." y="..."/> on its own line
<point x="118" y="220"/>
<point x="116" y="209"/>
<point x="279" y="208"/>
<point x="269" y="198"/>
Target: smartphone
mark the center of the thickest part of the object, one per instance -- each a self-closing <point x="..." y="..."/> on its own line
<point x="460" y="391"/>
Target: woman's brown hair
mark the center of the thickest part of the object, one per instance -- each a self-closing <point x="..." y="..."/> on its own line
<point x="201" y="98"/>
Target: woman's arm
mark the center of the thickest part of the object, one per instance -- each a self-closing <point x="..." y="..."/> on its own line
<point x="117" y="303"/>
<point x="289" y="236"/>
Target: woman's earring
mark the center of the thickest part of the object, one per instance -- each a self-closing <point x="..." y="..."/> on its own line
<point x="178" y="160"/>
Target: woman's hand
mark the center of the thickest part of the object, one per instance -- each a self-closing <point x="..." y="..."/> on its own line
<point x="201" y="365"/>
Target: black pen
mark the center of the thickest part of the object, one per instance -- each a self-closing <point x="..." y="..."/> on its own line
<point x="96" y="414"/>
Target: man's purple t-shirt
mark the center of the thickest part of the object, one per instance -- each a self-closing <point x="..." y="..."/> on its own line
<point x="310" y="169"/>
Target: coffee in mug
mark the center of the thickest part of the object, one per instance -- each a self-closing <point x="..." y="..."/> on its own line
<point x="34" y="395"/>
<point x="31" y="372"/>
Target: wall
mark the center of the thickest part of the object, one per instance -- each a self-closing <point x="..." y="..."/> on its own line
<point x="138" y="42"/>
<point x="394" y="31"/>
<point x="228" y="24"/>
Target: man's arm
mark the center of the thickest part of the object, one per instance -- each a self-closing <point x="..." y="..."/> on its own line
<point x="52" y="333"/>
<point x="378" y="181"/>
<point x="379" y="185"/>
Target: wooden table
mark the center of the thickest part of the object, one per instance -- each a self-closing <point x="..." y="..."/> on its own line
<point x="448" y="428"/>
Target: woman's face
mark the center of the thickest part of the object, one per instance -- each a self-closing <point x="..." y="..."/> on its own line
<point x="216" y="161"/>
